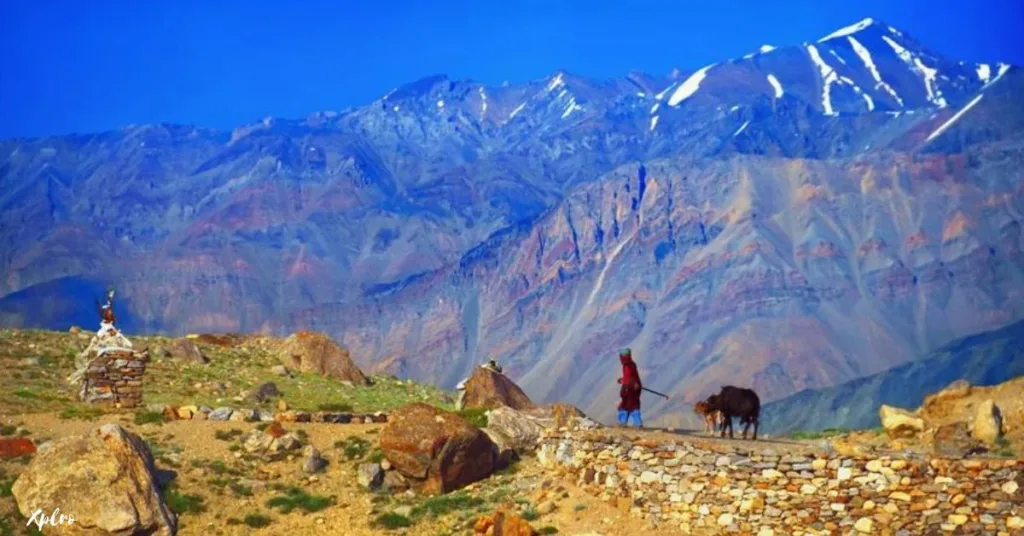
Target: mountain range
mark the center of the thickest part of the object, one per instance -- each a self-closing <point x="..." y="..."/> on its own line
<point x="796" y="218"/>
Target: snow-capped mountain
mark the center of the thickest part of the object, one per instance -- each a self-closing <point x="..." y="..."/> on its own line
<point x="745" y="220"/>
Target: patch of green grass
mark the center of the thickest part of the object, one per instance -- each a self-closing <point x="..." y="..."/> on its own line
<point x="257" y="521"/>
<point x="83" y="413"/>
<point x="241" y="490"/>
<point x="7" y="429"/>
<point x="547" y="530"/>
<point x="297" y="498"/>
<point x="353" y="447"/>
<point x="302" y="435"/>
<point x="392" y="521"/>
<point x="181" y="503"/>
<point x="337" y="407"/>
<point x="442" y="504"/>
<point x="580" y="507"/>
<point x="149" y="417"/>
<point x="25" y="393"/>
<point x="227" y="435"/>
<point x="1003" y="448"/>
<point x="376" y="456"/>
<point x="530" y="514"/>
<point x="5" y="485"/>
<point x="822" y="434"/>
<point x="235" y="447"/>
<point x="476" y="416"/>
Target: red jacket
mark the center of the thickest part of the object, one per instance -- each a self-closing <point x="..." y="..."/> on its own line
<point x="629" y="393"/>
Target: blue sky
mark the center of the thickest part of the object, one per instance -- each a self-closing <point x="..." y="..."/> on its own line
<point x="84" y="66"/>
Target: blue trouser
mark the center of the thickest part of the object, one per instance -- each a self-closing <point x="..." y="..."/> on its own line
<point x="625" y="415"/>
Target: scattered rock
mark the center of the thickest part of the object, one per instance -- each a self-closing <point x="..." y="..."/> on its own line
<point x="187" y="350"/>
<point x="280" y="370"/>
<point x="545" y="507"/>
<point x="16" y="447"/>
<point x="314" y="463"/>
<point x="519" y="429"/>
<point x="436" y="450"/>
<point x="105" y="477"/>
<point x="266" y="444"/>
<point x="953" y="440"/>
<point x="315" y="352"/>
<point x="503" y="523"/>
<point x="394" y="481"/>
<point x="489" y="389"/>
<point x="265" y="392"/>
<point x="74" y="330"/>
<point x="282" y="405"/>
<point x="864" y="524"/>
<point x="988" y="423"/>
<point x="221" y="414"/>
<point x="370" y="476"/>
<point x="899" y="422"/>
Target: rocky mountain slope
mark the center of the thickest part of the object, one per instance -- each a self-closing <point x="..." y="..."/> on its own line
<point x="986" y="359"/>
<point x="795" y="218"/>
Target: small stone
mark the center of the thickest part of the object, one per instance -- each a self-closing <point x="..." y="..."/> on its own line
<point x="900" y="496"/>
<point x="864" y="524"/>
<point x="1015" y="522"/>
<point x="957" y="519"/>
<point x="724" y="520"/>
<point x="766" y="531"/>
<point x="874" y="466"/>
<point x="545" y="508"/>
<point x="370" y="476"/>
<point x="844" y="473"/>
<point x="1010" y="487"/>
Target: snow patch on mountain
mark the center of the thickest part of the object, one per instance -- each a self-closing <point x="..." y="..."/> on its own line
<point x="655" y="107"/>
<point x="775" y="85"/>
<point x="689" y="87"/>
<point x="654" y="122"/>
<point x="828" y="76"/>
<point x="927" y="73"/>
<point x="851" y="29"/>
<point x="665" y="91"/>
<point x="483" y="101"/>
<point x="571" y="107"/>
<point x="865" y="56"/>
<point x="837" y="56"/>
<point x="954" y="119"/>
<point x="742" y="128"/>
<point x="517" y="110"/>
<point x="984" y="72"/>
<point x="763" y="49"/>
<point x="557" y="81"/>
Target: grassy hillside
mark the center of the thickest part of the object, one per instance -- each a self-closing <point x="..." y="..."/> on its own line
<point x="984" y="359"/>
<point x="36" y="363"/>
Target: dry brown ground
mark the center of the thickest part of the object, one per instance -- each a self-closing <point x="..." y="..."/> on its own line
<point x="188" y="443"/>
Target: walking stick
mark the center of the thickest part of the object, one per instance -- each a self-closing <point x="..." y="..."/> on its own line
<point x="655" y="392"/>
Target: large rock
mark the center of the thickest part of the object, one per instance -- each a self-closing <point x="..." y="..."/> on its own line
<point x="436" y="450"/>
<point x="310" y="351"/>
<point x="988" y="423"/>
<point x="187" y="350"/>
<point x="899" y="422"/>
<point x="105" y="478"/>
<point x="503" y="523"/>
<point x="953" y="440"/>
<point x="489" y="389"/>
<point x="516" y="429"/>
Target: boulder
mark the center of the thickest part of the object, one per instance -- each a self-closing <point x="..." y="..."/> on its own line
<point x="105" y="478"/>
<point x="186" y="350"/>
<point x="503" y="523"/>
<point x="953" y="440"/>
<point x="270" y="445"/>
<point x="369" y="476"/>
<point x="16" y="447"/>
<point x="315" y="352"/>
<point x="436" y="450"/>
<point x="221" y="414"/>
<point x="314" y="462"/>
<point x="518" y="430"/>
<point x="900" y="422"/>
<point x="489" y="389"/>
<point x="265" y="392"/>
<point x="988" y="423"/>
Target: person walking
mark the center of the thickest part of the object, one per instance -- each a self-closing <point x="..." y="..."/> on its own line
<point x="629" y="390"/>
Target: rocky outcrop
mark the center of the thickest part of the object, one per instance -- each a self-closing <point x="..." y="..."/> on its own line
<point x="186" y="350"/>
<point x="315" y="352"/>
<point x="489" y="389"/>
<point x="900" y="422"/>
<point x="988" y="423"/>
<point x="437" y="451"/>
<point x="105" y="478"/>
<point x="517" y="430"/>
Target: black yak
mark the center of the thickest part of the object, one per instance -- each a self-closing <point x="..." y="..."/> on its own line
<point x="737" y="402"/>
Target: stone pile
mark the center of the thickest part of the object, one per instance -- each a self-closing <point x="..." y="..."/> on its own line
<point x="767" y="492"/>
<point x="115" y="377"/>
<point x="204" y="413"/>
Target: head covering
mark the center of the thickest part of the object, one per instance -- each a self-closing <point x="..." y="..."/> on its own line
<point x="625" y="355"/>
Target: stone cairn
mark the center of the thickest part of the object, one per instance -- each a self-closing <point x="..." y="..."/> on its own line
<point x="109" y="370"/>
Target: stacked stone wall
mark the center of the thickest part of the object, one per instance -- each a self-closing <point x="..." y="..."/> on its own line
<point x="114" y="377"/>
<point x="766" y="491"/>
